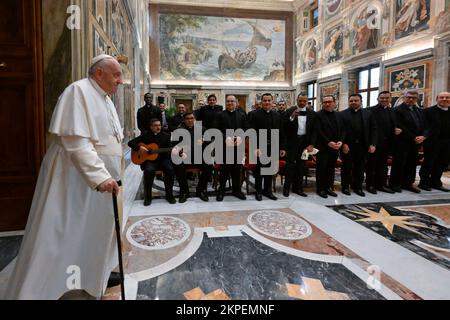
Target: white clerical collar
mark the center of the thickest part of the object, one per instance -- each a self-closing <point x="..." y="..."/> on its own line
<point x="443" y="109"/>
<point x="302" y="109"/>
<point x="98" y="88"/>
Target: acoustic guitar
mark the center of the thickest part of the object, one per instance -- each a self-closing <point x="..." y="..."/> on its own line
<point x="153" y="153"/>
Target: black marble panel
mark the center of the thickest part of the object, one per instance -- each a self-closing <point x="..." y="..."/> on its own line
<point x="434" y="233"/>
<point x="246" y="269"/>
<point x="9" y="248"/>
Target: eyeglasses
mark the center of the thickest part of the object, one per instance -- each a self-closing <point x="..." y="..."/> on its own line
<point x="413" y="98"/>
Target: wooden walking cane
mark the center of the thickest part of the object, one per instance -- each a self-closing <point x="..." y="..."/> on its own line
<point x="119" y="243"/>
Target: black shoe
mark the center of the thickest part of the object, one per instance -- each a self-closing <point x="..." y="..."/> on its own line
<point x="286" y="193"/>
<point x="396" y="189"/>
<point x="183" y="197"/>
<point x="220" y="196"/>
<point x="322" y="194"/>
<point x="203" y="196"/>
<point x="270" y="195"/>
<point x="147" y="202"/>
<point x="412" y="189"/>
<point x="171" y="199"/>
<point x="239" y="195"/>
<point x="359" y="192"/>
<point x="114" y="280"/>
<point x="372" y="190"/>
<point x="346" y="191"/>
<point x="258" y="197"/>
<point x="386" y="189"/>
<point x="300" y="193"/>
<point x="441" y="188"/>
<point x="424" y="186"/>
<point x="331" y="193"/>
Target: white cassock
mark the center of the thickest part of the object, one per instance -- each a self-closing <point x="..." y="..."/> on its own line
<point x="70" y="225"/>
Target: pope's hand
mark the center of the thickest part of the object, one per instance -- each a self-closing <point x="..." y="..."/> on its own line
<point x="109" y="186"/>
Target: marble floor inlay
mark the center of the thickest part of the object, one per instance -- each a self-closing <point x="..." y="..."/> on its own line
<point x="424" y="234"/>
<point x="158" y="233"/>
<point x="279" y="225"/>
<point x="245" y="269"/>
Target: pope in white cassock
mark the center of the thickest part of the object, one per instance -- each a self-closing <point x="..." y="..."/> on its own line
<point x="71" y="225"/>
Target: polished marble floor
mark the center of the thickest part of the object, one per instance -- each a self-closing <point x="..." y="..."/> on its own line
<point x="378" y="247"/>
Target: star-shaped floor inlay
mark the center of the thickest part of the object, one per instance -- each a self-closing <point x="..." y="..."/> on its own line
<point x="388" y="220"/>
<point x="313" y="289"/>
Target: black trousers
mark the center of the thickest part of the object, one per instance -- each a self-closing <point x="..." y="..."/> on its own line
<point x="436" y="161"/>
<point x="353" y="167"/>
<point x="205" y="176"/>
<point x="377" y="167"/>
<point x="404" y="164"/>
<point x="295" y="166"/>
<point x="150" y="168"/>
<point x="326" y="164"/>
<point x="233" y="170"/>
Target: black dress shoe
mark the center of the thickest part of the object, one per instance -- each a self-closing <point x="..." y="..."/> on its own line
<point x="286" y="193"/>
<point x="183" y="197"/>
<point x="220" y="196"/>
<point x="322" y="194"/>
<point x="360" y="193"/>
<point x="239" y="195"/>
<point x="270" y="195"/>
<point x="203" y="196"/>
<point x="331" y="193"/>
<point x="441" y="188"/>
<point x="396" y="189"/>
<point x="346" y="191"/>
<point x="412" y="189"/>
<point x="171" y="199"/>
<point x="147" y="202"/>
<point x="114" y="280"/>
<point x="386" y="189"/>
<point x="424" y="186"/>
<point x="372" y="190"/>
<point x="258" y="197"/>
<point x="300" y="193"/>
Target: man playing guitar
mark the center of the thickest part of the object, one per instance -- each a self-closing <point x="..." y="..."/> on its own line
<point x="156" y="159"/>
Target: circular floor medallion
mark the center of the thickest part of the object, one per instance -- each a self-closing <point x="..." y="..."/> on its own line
<point x="279" y="225"/>
<point x="158" y="233"/>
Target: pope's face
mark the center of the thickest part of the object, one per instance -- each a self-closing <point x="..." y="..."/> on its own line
<point x="109" y="77"/>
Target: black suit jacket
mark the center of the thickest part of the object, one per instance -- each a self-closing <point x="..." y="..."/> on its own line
<point x="291" y="127"/>
<point x="385" y="130"/>
<point x="405" y="121"/>
<point x="325" y="131"/>
<point x="175" y="122"/>
<point x="369" y="127"/>
<point x="145" y="114"/>
<point x="260" y="119"/>
<point x="434" y="124"/>
<point x="225" y="120"/>
<point x="208" y="115"/>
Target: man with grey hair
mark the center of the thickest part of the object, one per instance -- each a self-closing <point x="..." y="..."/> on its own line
<point x="411" y="120"/>
<point x="69" y="241"/>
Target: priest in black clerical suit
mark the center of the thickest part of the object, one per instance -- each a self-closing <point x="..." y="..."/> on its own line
<point x="377" y="166"/>
<point x="147" y="113"/>
<point x="232" y="118"/>
<point x="330" y="137"/>
<point x="437" y="146"/>
<point x="163" y="162"/>
<point x="268" y="119"/>
<point x="411" y="120"/>
<point x="209" y="114"/>
<point x="360" y="140"/>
